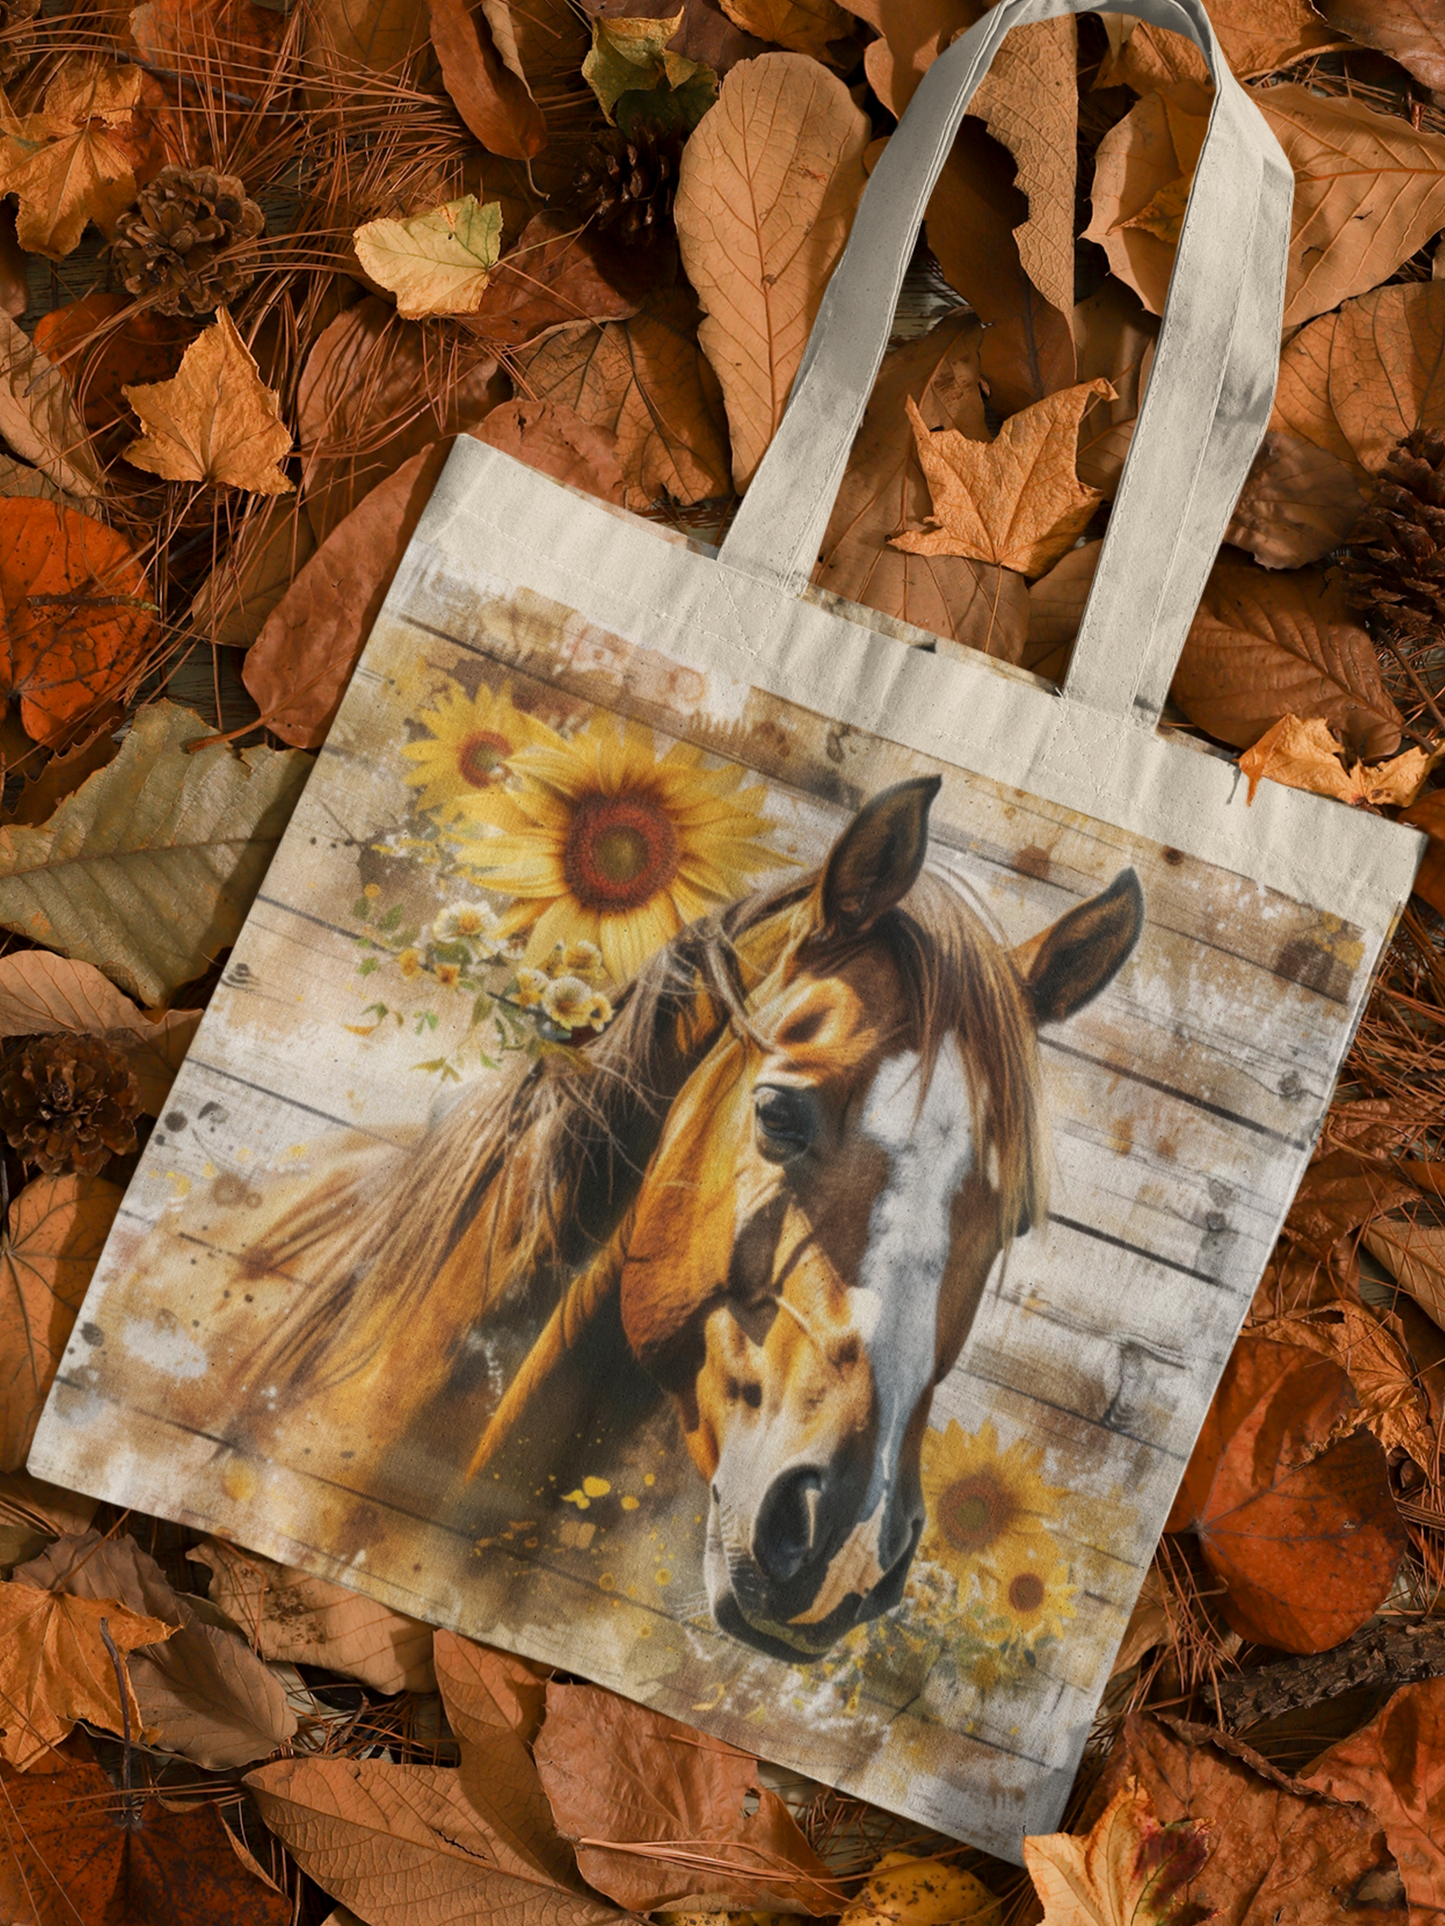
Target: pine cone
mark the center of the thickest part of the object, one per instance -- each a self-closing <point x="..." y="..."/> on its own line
<point x="627" y="182"/>
<point x="68" y="1102"/>
<point x="1395" y="561"/>
<point x="17" y="35"/>
<point x="177" y="237"/>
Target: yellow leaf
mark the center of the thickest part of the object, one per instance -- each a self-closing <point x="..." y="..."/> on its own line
<point x="64" y="163"/>
<point x="55" y="1667"/>
<point x="802" y="26"/>
<point x="1126" y="1872"/>
<point x="1016" y="500"/>
<point x="434" y="263"/>
<point x="905" y="1890"/>
<point x="1306" y="755"/>
<point x="215" y="421"/>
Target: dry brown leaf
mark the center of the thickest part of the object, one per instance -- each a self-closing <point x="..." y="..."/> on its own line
<point x="1299" y="502"/>
<point x="1029" y="102"/>
<point x="1395" y="1766"/>
<point x="1056" y="608"/>
<point x="376" y="34"/>
<point x="1410" y="31"/>
<point x="1342" y="1191"/>
<point x="39" y="418"/>
<point x="558" y="274"/>
<point x="42" y="992"/>
<point x="1114" y="337"/>
<point x="1126" y="1871"/>
<point x="802" y="26"/>
<point x="1429" y="814"/>
<point x="401" y="1845"/>
<point x="1356" y="382"/>
<point x="769" y="185"/>
<point x="272" y="548"/>
<point x="56" y="1231"/>
<point x="204" y="1693"/>
<point x="883" y="490"/>
<point x="1306" y="755"/>
<point x="292" y="1616"/>
<point x="912" y="34"/>
<point x="68" y="164"/>
<point x="33" y="1512"/>
<point x="647" y="381"/>
<point x="1414" y="1254"/>
<point x="1149" y="1624"/>
<point x="906" y="1889"/>
<point x="55" y="1668"/>
<point x="493" y="100"/>
<point x="1273" y="643"/>
<point x="620" y="1773"/>
<point x="216" y="421"/>
<point x="1257" y="37"/>
<point x="1141" y="174"/>
<point x="1375" y="1363"/>
<point x="638" y="80"/>
<point x="437" y="262"/>
<point x="1015" y="501"/>
<point x="551" y="437"/>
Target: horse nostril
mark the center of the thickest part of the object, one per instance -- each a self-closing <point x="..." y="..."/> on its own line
<point x="784" y="1537"/>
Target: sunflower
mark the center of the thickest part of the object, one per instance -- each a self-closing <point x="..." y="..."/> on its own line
<point x="469" y="745"/>
<point x="603" y="841"/>
<point x="1029" y="1586"/>
<point x="983" y="1504"/>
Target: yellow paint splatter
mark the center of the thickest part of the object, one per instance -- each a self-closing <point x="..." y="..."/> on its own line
<point x="596" y="1487"/>
<point x="649" y="1477"/>
<point x="630" y="1503"/>
<point x="644" y="1631"/>
<point x="179" y="1182"/>
<point x="296" y="1150"/>
<point x="239" y="1481"/>
<point x="577" y="1498"/>
<point x="606" y="1581"/>
<point x="209" y="1171"/>
<point x="664" y="1577"/>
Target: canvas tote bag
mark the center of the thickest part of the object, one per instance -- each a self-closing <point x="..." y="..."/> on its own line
<point x="732" y="1150"/>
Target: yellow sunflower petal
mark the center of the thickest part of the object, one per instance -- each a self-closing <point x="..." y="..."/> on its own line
<point x="627" y="939"/>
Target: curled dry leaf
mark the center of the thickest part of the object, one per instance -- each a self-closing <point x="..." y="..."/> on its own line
<point x="769" y="186"/>
<point x="911" y="36"/>
<point x="802" y="26"/>
<point x="1342" y="1191"/>
<point x="1299" y="502"/>
<point x="289" y="1615"/>
<point x="1016" y="500"/>
<point x="1395" y="1766"/>
<point x="635" y="77"/>
<point x="1029" y="101"/>
<point x="1278" y="1849"/>
<point x="1412" y="1249"/>
<point x="498" y="60"/>
<point x="69" y="163"/>
<point x="149" y="868"/>
<point x="33" y="1512"/>
<point x="1128" y="1870"/>
<point x="39" y="418"/>
<point x="55" y="1667"/>
<point x="1377" y="1366"/>
<point x="1306" y="755"/>
<point x="402" y="1846"/>
<point x="66" y="1857"/>
<point x="434" y="263"/>
<point x="1257" y="36"/>
<point x="216" y="421"/>
<point x="647" y="382"/>
<point x="1357" y="382"/>
<point x="1114" y="337"/>
<point x="204" y="1693"/>
<point x="1291" y="1507"/>
<point x="1271" y="643"/>
<point x="56" y="1231"/>
<point x="906" y="1889"/>
<point x="192" y="38"/>
<point x="1141" y="181"/>
<point x="883" y="490"/>
<point x="78" y="614"/>
<point x="557" y="275"/>
<point x="1410" y="31"/>
<point x="618" y="1772"/>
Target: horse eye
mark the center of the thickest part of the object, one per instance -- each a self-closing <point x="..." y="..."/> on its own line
<point x="785" y="1119"/>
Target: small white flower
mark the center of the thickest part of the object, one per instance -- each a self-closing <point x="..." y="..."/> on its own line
<point x="466" y="923"/>
<point x="571" y="1003"/>
<point x="532" y="986"/>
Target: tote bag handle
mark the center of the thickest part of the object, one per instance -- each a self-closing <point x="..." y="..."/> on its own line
<point x="1208" y="398"/>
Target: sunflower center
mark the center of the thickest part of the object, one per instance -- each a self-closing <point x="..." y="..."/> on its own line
<point x="621" y="850"/>
<point x="1026" y="1592"/>
<point x="973" y="1513"/>
<point x="480" y="757"/>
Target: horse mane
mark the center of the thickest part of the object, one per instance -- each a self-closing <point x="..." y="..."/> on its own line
<point x="535" y="1167"/>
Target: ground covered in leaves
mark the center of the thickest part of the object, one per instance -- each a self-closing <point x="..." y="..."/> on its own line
<point x="258" y="267"/>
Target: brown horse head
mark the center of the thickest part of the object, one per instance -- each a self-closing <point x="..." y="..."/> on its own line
<point x="831" y="1190"/>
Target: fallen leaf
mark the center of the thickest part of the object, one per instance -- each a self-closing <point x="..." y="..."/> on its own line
<point x="557" y="275"/>
<point x="149" y="868"/>
<point x="1016" y="500"/>
<point x="375" y="391"/>
<point x="911" y="36"/>
<point x="266" y="556"/>
<point x="56" y="1231"/>
<point x="906" y="1889"/>
<point x="1375" y="1363"/>
<point x="883" y="490"/>
<point x="1149" y="1624"/>
<point x="1278" y="1850"/>
<point x="204" y="1693"/>
<point x="1256" y="36"/>
<point x="1056" y="608"/>
<point x="802" y="26"/>
<point x="402" y="1846"/>
<point x="39" y="418"/>
<point x="78" y="615"/>
<point x="635" y="78"/>
<point x="1291" y="1507"/>
<point x="1395" y="1766"/>
<point x="1028" y="100"/>
<point x="434" y="263"/>
<point x="290" y="1616"/>
<point x="379" y="35"/>
<point x="1340" y="1192"/>
<point x="552" y="438"/>
<point x="1127" y="1871"/>
<point x="41" y="993"/>
<point x="1410" y="31"/>
<point x="200" y="39"/>
<point x="493" y="100"/>
<point x="33" y="1512"/>
<point x="216" y="421"/>
<point x="1413" y="1252"/>
<point x="71" y="1852"/>
<point x="766" y="196"/>
<point x="1306" y="755"/>
<point x="647" y="382"/>
<point x="620" y="1773"/>
<point x="67" y="164"/>
<point x="17" y="478"/>
<point x="104" y="340"/>
<point x="1114" y="338"/>
<point x="55" y="1667"/>
<point x="1271" y="643"/>
<point x="1142" y="171"/>
<point x="1357" y="382"/>
<point x="1299" y="502"/>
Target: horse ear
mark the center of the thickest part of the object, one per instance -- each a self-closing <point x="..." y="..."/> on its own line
<point x="875" y="862"/>
<point x="1066" y="965"/>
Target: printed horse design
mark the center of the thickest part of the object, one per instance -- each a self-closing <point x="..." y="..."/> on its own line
<point x="779" y="1183"/>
